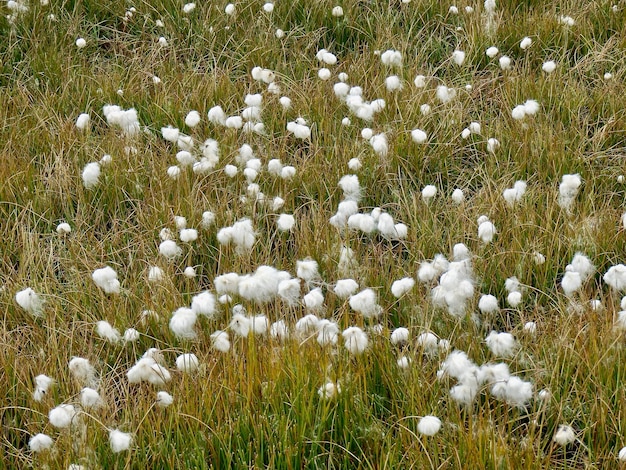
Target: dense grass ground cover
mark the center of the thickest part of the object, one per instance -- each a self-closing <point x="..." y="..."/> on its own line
<point x="550" y="395"/>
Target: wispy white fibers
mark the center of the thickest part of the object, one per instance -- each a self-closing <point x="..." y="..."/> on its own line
<point x="326" y="57"/>
<point x="126" y="120"/>
<point x="187" y="362"/>
<point x="458" y="196"/>
<point x="170" y="134"/>
<point x="240" y="325"/>
<point x="345" y="210"/>
<point x="568" y="190"/>
<point x="216" y="115"/>
<point x="503" y="386"/>
<point x="428" y="193"/>
<point x="90" y="398"/>
<point x="30" y="301"/>
<point x="262" y="285"/>
<point x="402" y="286"/>
<point x="429" y="271"/>
<point x="344" y="288"/>
<point x="491" y="374"/>
<point x="119" y="441"/>
<point x="259" y="324"/>
<point x="299" y="129"/>
<point x="91" y="175"/>
<point x="324" y="74"/>
<point x="234" y="122"/>
<point x="227" y="283"/>
<point x="42" y="385"/>
<point x="62" y="416"/>
<point x="185" y="142"/>
<point x="457" y="365"/>
<point x="513" y="287"/>
<point x="549" y="66"/>
<point x="314" y="300"/>
<point x="220" y="341"/>
<point x="355" y="340"/>
<point x="362" y="222"/>
<point x="210" y="157"/>
<point x="327" y="333"/>
<point x="351" y="188"/>
<point x="82" y="371"/>
<point x="241" y="234"/>
<point x="204" y="304"/>
<point x="289" y="291"/>
<point x="393" y="83"/>
<point x="307" y="270"/>
<point x="391" y="58"/>
<point x="182" y="323"/>
<point x="164" y="399"/>
<point x="388" y="228"/>
<point x="64" y="228"/>
<point x="429" y="425"/>
<point x="582" y="265"/>
<point x="180" y="221"/>
<point x="564" y="435"/>
<point x="514" y="194"/>
<point x="566" y="20"/>
<point x="456" y="285"/>
<point x="577" y="273"/>
<point x="571" y="282"/>
<point x="428" y="343"/>
<point x="307" y="325"/>
<point x="170" y="250"/>
<point x="82" y="121"/>
<point x="492" y="145"/>
<point x="616" y="277"/>
<point x="501" y="344"/>
<point x="192" y="119"/>
<point x="445" y="94"/>
<point x="366" y="303"/>
<point x="491" y="52"/>
<point x="106" y="331"/>
<point x="285" y="222"/>
<point x="106" y="279"/>
<point x="188" y="235"/>
<point x="419" y="136"/>
<point x="40" y="442"/>
<point x="399" y="336"/>
<point x="419" y="81"/>
<point x="155" y="274"/>
<point x="147" y="369"/>
<point x="208" y="219"/>
<point x="379" y="144"/>
<point x="263" y="75"/>
<point x="279" y="330"/>
<point x="329" y="390"/>
<point x="486" y="229"/>
<point x="458" y="57"/>
<point x="488" y="304"/>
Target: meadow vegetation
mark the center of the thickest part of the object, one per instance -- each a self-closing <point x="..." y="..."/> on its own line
<point x="312" y="234"/>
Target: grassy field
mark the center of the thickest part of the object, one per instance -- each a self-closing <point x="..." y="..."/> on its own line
<point x="474" y="153"/>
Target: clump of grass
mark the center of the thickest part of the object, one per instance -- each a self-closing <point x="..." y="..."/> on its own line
<point x="318" y="235"/>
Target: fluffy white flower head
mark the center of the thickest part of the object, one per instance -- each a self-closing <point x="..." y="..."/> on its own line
<point x="429" y="425"/>
<point x="119" y="441"/>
